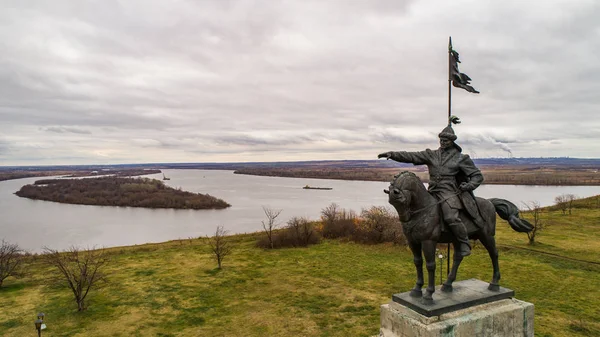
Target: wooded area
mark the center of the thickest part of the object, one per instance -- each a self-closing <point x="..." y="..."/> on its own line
<point x="112" y="191"/>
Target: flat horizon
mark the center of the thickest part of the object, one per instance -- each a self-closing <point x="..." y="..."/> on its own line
<point x="281" y="161"/>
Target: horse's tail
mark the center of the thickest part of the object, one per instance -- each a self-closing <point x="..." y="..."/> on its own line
<point x="509" y="212"/>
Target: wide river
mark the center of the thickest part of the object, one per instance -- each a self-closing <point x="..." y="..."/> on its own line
<point x="34" y="224"/>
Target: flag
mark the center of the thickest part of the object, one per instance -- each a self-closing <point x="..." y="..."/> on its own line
<point x="459" y="80"/>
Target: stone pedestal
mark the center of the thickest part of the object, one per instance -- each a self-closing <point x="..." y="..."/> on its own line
<point x="471" y="310"/>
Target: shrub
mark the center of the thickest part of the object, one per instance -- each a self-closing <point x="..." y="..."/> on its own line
<point x="299" y="232"/>
<point x="338" y="223"/>
<point x="377" y="225"/>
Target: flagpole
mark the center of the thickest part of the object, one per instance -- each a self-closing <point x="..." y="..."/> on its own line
<point x="449" y="78"/>
<point x="449" y="114"/>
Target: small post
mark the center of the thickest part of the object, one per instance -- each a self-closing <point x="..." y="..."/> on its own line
<point x="38" y="326"/>
<point x="448" y="255"/>
<point x="441" y="257"/>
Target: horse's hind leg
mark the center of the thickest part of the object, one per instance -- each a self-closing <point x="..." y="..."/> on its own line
<point x="418" y="259"/>
<point x="489" y="242"/>
<point x="429" y="252"/>
<point x="457" y="259"/>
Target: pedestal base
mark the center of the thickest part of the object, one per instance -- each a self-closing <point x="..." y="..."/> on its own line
<point x="504" y="317"/>
<point x="466" y="294"/>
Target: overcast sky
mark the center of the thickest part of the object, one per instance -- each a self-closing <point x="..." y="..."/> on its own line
<point x="96" y="82"/>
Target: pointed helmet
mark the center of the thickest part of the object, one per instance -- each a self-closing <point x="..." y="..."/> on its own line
<point x="448" y="133"/>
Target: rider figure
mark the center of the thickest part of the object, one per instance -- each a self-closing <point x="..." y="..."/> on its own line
<point x="447" y="168"/>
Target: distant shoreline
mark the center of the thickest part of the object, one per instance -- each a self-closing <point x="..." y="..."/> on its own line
<point x="496" y="171"/>
<point x="21" y="174"/>
<point x="531" y="176"/>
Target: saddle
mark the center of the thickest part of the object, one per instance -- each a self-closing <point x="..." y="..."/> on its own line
<point x="471" y="224"/>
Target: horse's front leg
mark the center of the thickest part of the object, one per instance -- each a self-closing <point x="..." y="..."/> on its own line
<point x="418" y="259"/>
<point x="457" y="259"/>
<point x="429" y="252"/>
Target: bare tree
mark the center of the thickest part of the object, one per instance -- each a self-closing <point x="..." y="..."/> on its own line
<point x="301" y="232"/>
<point x="11" y="256"/>
<point x="561" y="203"/>
<point x="330" y="214"/>
<point x="534" y="209"/>
<point x="570" y="199"/>
<point x="220" y="244"/>
<point x="80" y="268"/>
<point x="270" y="225"/>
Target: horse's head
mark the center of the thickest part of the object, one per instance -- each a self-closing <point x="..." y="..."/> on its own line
<point x="402" y="192"/>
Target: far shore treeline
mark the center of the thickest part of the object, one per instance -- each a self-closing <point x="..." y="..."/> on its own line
<point x="115" y="191"/>
<point x="67" y="171"/>
<point x="497" y="175"/>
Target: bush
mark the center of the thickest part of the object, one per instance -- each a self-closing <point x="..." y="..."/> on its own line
<point x="377" y="225"/>
<point x="338" y="223"/>
<point x="299" y="232"/>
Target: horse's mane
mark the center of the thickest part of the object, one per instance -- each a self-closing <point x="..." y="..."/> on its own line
<point x="406" y="175"/>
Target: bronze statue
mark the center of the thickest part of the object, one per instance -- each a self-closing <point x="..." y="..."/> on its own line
<point x="449" y="200"/>
<point x="450" y="173"/>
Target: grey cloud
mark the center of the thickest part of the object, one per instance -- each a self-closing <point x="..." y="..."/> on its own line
<point x="4" y="147"/>
<point x="266" y="139"/>
<point x="388" y="137"/>
<point x="153" y="80"/>
<point x="63" y="129"/>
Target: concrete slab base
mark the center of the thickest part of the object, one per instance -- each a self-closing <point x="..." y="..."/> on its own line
<point x="466" y="294"/>
<point x="506" y="317"/>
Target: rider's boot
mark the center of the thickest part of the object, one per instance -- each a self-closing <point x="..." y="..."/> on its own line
<point x="460" y="232"/>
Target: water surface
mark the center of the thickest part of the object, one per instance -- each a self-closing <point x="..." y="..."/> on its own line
<point x="34" y="223"/>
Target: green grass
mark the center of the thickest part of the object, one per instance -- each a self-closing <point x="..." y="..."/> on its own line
<point x="331" y="289"/>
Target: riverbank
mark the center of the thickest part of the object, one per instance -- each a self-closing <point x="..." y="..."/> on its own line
<point x="494" y="175"/>
<point x="11" y="174"/>
<point x="115" y="191"/>
<point x="20" y="174"/>
<point x="174" y="289"/>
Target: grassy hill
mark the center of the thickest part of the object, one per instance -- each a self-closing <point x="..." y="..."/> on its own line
<point x="331" y="289"/>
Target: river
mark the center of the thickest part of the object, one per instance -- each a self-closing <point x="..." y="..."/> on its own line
<point x="34" y="224"/>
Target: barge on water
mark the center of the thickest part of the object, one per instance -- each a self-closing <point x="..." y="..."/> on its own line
<point x="317" y="188"/>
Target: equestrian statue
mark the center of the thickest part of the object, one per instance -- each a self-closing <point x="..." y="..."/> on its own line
<point x="447" y="211"/>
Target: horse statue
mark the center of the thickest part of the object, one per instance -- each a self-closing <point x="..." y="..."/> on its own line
<point x="422" y="224"/>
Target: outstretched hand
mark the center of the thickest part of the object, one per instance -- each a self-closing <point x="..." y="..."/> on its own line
<point x="386" y="155"/>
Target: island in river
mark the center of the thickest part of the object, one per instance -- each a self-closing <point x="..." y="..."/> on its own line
<point x="115" y="191"/>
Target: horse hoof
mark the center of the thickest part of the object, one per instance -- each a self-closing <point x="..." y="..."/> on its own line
<point x="447" y="288"/>
<point x="494" y="287"/>
<point x="427" y="301"/>
<point x="416" y="293"/>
